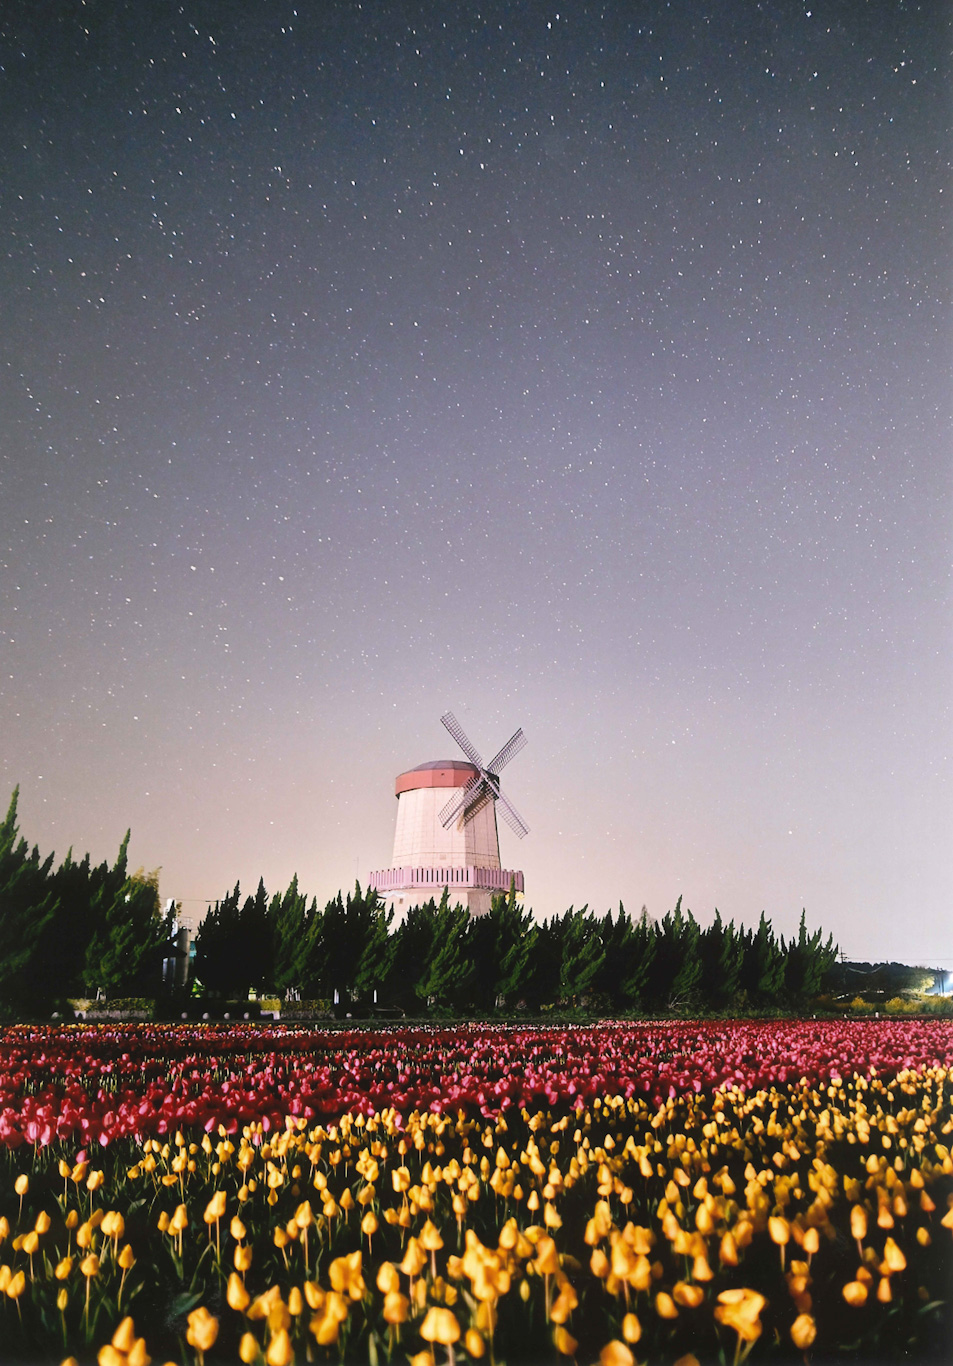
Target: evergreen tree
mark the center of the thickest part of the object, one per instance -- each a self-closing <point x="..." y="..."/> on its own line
<point x="411" y="947"/>
<point x="254" y="950"/>
<point x="678" y="964"/>
<point x="628" y="953"/>
<point x="28" y="907"/>
<point x="762" y="973"/>
<point x="515" y="941"/>
<point x="544" y="963"/>
<point x="500" y="945"/>
<point x="582" y="954"/>
<point x="372" y="937"/>
<point x="809" y="960"/>
<point x="288" y="914"/>
<point x="443" y="977"/>
<point x="218" y="946"/>
<point x="349" y="949"/>
<point x="124" y="955"/>
<point x="68" y="934"/>
<point x="722" y="955"/>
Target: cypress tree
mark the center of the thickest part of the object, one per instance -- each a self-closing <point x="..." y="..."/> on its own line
<point x="678" y="970"/>
<point x="722" y="954"/>
<point x="288" y="914"/>
<point x="218" y="947"/>
<point x="764" y="964"/>
<point x="124" y="955"/>
<point x="28" y="908"/>
<point x="582" y="955"/>
<point x="809" y="960"/>
<point x="445" y="974"/>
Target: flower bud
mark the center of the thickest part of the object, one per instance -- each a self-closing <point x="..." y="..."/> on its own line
<point x="202" y="1330"/>
<point x="236" y="1294"/>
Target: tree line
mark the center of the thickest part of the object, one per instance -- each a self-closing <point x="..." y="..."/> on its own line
<point x="441" y="958"/>
<point x="78" y="928"/>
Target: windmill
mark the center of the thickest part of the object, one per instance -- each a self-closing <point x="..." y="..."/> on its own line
<point x="452" y="843"/>
<point x="485" y="785"/>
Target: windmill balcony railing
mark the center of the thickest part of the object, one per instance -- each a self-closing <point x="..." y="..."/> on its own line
<point x="493" y="879"/>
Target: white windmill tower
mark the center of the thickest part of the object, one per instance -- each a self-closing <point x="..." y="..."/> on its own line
<point x="451" y="843"/>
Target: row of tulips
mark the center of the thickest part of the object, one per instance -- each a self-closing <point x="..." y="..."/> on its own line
<point x="795" y="1220"/>
<point x="93" y="1085"/>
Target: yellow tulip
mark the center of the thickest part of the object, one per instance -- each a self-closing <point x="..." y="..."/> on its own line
<point x="779" y="1230"/>
<point x="248" y="1348"/>
<point x="803" y="1331"/>
<point x="476" y="1347"/>
<point x="280" y="1351"/>
<point x="728" y="1250"/>
<point x="855" y="1293"/>
<point x="429" y="1237"/>
<point x="346" y="1277"/>
<point x="388" y="1280"/>
<point x="687" y="1295"/>
<point x="547" y="1258"/>
<point x="215" y="1209"/>
<point x="125" y="1335"/>
<point x="137" y="1354"/>
<point x="740" y="1309"/>
<point x="237" y="1296"/>
<point x="615" y="1353"/>
<point x="440" y="1325"/>
<point x="631" y="1328"/>
<point x="414" y="1260"/>
<point x="396" y="1307"/>
<point x="202" y="1329"/>
<point x="564" y="1342"/>
<point x="17" y="1285"/>
<point x="566" y="1301"/>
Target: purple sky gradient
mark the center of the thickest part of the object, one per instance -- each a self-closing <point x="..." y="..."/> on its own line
<point x="584" y="368"/>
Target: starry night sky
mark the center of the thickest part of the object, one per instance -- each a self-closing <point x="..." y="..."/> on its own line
<point x="583" y="367"/>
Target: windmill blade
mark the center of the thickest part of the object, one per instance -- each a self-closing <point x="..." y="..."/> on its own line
<point x="512" y="747"/>
<point x="461" y="800"/>
<point x="512" y="817"/>
<point x="461" y="737"/>
<point x="477" y="803"/>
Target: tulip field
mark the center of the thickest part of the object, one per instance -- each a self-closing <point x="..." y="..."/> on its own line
<point x="619" y="1193"/>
